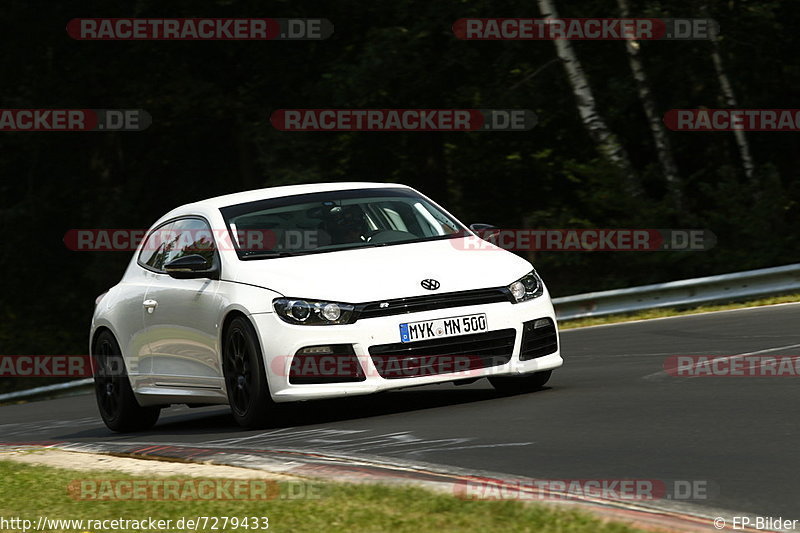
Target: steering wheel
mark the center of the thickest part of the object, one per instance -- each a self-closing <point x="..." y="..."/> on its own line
<point x="389" y="235"/>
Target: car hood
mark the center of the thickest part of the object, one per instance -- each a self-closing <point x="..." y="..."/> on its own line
<point x="394" y="271"/>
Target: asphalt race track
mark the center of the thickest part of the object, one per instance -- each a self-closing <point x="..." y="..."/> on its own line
<point x="609" y="413"/>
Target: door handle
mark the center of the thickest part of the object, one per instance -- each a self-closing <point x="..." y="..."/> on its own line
<point x="150" y="305"/>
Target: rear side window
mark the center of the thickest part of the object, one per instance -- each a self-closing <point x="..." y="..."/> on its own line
<point x="155" y="248"/>
<point x="176" y="239"/>
<point x="192" y="237"/>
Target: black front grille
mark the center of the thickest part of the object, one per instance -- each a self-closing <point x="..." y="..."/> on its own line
<point x="414" y="304"/>
<point x="443" y="356"/>
<point x="538" y="342"/>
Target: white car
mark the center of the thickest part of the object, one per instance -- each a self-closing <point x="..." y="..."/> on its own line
<point x="307" y="292"/>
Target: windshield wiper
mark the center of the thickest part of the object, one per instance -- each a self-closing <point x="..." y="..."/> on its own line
<point x="269" y="254"/>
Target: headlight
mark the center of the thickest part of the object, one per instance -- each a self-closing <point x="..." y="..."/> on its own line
<point x="312" y="312"/>
<point x="527" y="287"/>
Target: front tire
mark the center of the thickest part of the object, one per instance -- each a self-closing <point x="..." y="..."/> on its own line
<point x="115" y="399"/>
<point x="245" y="378"/>
<point x="520" y="384"/>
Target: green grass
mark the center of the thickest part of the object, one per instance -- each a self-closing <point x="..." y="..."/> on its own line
<point x="670" y="311"/>
<point x="34" y="491"/>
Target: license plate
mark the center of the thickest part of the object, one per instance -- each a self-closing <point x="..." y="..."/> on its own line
<point x="442" y="327"/>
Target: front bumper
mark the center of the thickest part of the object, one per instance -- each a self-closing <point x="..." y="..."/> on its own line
<point x="280" y="341"/>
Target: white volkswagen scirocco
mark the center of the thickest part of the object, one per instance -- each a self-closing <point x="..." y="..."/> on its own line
<point x="308" y="292"/>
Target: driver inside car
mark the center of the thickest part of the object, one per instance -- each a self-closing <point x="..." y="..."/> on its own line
<point x="346" y="224"/>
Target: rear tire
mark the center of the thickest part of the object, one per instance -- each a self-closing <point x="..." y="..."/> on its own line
<point x="520" y="384"/>
<point x="118" y="406"/>
<point x="245" y="378"/>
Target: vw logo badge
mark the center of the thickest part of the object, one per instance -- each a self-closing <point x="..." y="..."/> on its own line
<point x="430" y="284"/>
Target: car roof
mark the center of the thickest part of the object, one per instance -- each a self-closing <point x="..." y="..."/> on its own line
<point x="204" y="206"/>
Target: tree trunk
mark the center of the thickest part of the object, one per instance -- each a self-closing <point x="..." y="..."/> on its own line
<point x="730" y="101"/>
<point x="657" y="129"/>
<point x="607" y="143"/>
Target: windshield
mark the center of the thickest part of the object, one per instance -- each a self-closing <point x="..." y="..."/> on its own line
<point x="336" y="220"/>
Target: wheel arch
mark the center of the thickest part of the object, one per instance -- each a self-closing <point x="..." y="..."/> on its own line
<point x="226" y="322"/>
<point x="230" y="315"/>
<point x="96" y="333"/>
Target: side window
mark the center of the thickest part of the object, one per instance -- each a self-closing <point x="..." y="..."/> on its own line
<point x="192" y="236"/>
<point x="176" y="239"/>
<point x="154" y="251"/>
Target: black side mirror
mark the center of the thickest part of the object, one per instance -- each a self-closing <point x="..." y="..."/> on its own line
<point x="486" y="232"/>
<point x="191" y="267"/>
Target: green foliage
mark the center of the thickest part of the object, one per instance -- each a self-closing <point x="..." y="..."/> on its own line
<point x="211" y="101"/>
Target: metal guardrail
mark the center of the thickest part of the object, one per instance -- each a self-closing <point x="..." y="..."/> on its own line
<point x="682" y="293"/>
<point x="47" y="389"/>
